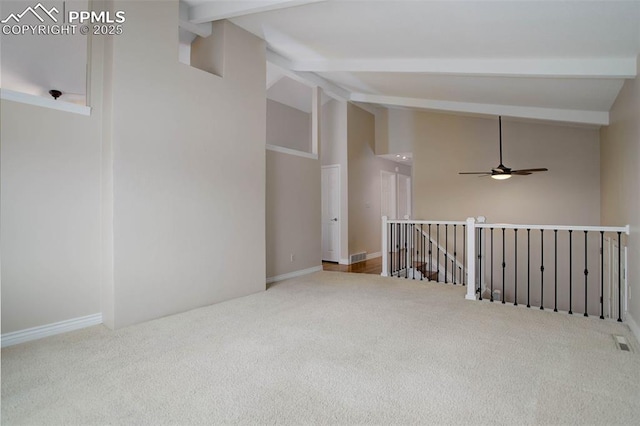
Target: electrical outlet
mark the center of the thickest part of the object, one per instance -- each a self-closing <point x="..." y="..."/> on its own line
<point x="293" y="257"/>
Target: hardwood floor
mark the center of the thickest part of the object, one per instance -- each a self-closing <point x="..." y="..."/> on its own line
<point x="372" y="266"/>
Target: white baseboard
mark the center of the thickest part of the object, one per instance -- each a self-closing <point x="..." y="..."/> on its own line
<point x="21" y="336"/>
<point x="369" y="257"/>
<point x="628" y="319"/>
<point x="294" y="274"/>
<point x="374" y="255"/>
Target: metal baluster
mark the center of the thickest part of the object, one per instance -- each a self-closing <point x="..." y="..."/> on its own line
<point x="464" y="253"/>
<point x="586" y="274"/>
<point x="430" y="251"/>
<point x="491" y="275"/>
<point x="515" y="264"/>
<point x="391" y="244"/>
<point x="422" y="254"/>
<point x="424" y="250"/>
<point x="438" y="250"/>
<point x="455" y="254"/>
<point x="418" y="242"/>
<point x="416" y="250"/>
<point x="570" y="271"/>
<point x="410" y="252"/>
<point x="601" y="274"/>
<point x="480" y="263"/>
<point x="528" y="267"/>
<point x="446" y="250"/>
<point x="406" y="254"/>
<point x="542" y="269"/>
<point x="503" y="265"/>
<point x="619" y="279"/>
<point x="555" y="270"/>
<point x="398" y="245"/>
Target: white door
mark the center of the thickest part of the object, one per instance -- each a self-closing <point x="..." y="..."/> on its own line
<point x="404" y="196"/>
<point x="388" y="195"/>
<point x="331" y="213"/>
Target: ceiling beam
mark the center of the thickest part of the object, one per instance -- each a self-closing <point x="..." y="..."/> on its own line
<point x="226" y="9"/>
<point x="597" y="118"/>
<point x="307" y="77"/>
<point x="203" y="30"/>
<point x="615" y="67"/>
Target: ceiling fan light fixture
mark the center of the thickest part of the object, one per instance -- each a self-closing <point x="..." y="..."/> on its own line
<point x="501" y="176"/>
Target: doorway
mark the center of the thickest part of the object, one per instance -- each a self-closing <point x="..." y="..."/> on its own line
<point x="395" y="195"/>
<point x="330" y="200"/>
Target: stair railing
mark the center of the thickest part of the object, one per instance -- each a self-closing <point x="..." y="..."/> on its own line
<point x="551" y="276"/>
<point x="410" y="245"/>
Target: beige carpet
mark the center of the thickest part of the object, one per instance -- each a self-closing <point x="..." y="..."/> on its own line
<point x="331" y="348"/>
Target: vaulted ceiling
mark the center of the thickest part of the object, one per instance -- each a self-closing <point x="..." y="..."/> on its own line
<point x="553" y="60"/>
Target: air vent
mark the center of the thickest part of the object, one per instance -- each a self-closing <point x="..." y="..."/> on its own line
<point x="358" y="257"/>
<point x="622" y="343"/>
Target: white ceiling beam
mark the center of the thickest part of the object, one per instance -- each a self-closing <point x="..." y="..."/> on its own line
<point x="227" y="9"/>
<point x="616" y="67"/>
<point x="203" y="30"/>
<point x="598" y="118"/>
<point x="308" y="77"/>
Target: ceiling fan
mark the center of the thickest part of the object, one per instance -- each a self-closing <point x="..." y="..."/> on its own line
<point x="502" y="172"/>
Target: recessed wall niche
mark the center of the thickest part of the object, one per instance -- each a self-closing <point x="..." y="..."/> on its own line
<point x="34" y="64"/>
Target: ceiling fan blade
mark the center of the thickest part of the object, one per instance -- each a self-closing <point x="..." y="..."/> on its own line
<point x="530" y="170"/>
<point x="502" y="172"/>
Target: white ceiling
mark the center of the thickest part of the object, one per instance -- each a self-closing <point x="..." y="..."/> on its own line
<point x="552" y="60"/>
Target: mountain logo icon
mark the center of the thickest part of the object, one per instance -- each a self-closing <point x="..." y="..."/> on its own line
<point x="34" y="11"/>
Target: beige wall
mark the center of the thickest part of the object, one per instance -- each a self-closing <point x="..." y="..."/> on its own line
<point x="288" y="127"/>
<point x="364" y="182"/>
<point x="145" y="210"/>
<point x="189" y="169"/>
<point x="569" y="193"/>
<point x="620" y="178"/>
<point x="50" y="210"/>
<point x="293" y="213"/>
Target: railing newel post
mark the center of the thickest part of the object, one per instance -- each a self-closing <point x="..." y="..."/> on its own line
<point x="620" y="277"/>
<point x="470" y="253"/>
<point x="385" y="246"/>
